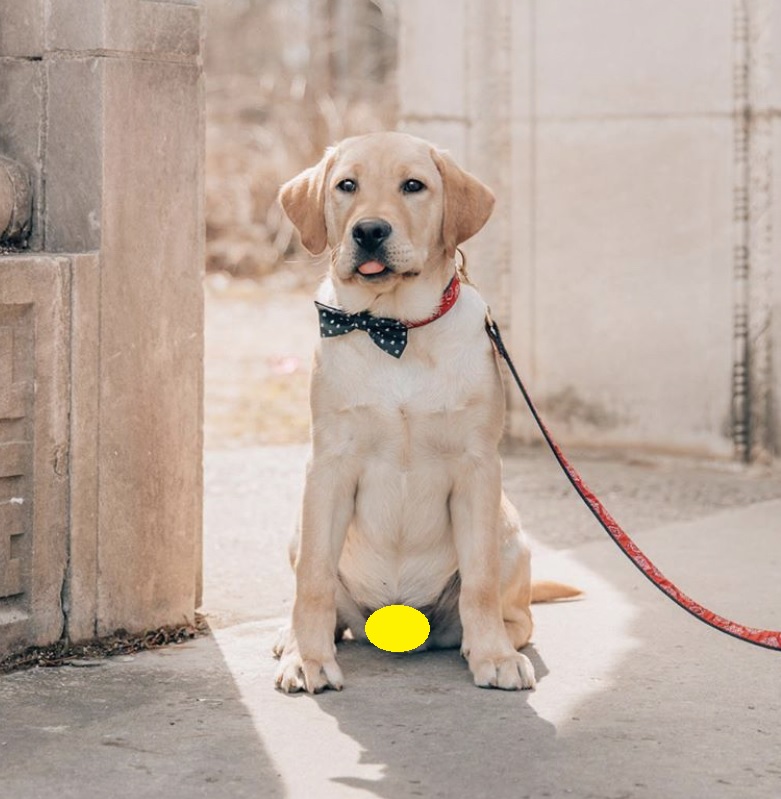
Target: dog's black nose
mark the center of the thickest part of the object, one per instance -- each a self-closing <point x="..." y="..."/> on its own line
<point x="370" y="233"/>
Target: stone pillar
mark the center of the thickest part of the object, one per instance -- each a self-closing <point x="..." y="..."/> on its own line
<point x="102" y="102"/>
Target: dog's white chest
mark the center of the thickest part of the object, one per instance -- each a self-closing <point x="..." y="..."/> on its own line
<point x="406" y="428"/>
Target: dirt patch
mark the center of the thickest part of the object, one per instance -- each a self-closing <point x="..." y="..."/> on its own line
<point x="260" y="336"/>
<point x="91" y="653"/>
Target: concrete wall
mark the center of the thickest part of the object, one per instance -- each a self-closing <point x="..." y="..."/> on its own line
<point x="630" y="257"/>
<point x="100" y="472"/>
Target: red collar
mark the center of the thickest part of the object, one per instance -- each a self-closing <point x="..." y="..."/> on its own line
<point x="448" y="300"/>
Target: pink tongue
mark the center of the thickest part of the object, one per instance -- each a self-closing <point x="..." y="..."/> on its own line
<point x="371" y="268"/>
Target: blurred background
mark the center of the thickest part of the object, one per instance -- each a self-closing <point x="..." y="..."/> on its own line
<point x="284" y="81"/>
<point x="634" y="255"/>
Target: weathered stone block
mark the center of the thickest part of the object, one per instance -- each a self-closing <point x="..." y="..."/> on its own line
<point x="21" y="29"/>
<point x="74" y="164"/>
<point x="22" y="129"/>
<point x="34" y="381"/>
<point x="125" y="26"/>
<point x="151" y="344"/>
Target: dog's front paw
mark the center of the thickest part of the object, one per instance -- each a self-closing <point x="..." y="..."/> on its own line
<point x="512" y="671"/>
<point x="296" y="673"/>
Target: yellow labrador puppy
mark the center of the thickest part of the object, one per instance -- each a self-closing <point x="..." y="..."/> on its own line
<point x="403" y="502"/>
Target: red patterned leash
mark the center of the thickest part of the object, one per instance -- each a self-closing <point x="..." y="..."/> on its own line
<point x="769" y="639"/>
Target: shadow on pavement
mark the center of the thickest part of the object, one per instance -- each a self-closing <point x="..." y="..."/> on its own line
<point x="165" y="723"/>
<point x="432" y="731"/>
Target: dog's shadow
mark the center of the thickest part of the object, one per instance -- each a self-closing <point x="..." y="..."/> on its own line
<point x="419" y="717"/>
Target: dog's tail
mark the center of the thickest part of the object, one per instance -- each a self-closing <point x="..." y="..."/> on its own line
<point x="549" y="591"/>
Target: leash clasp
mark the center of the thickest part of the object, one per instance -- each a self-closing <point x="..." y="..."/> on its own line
<point x="493" y="333"/>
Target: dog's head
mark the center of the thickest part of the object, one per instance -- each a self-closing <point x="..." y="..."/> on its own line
<point x="388" y="205"/>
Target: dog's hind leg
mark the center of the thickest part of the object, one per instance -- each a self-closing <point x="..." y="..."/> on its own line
<point x="516" y="578"/>
<point x="349" y="615"/>
<point x="516" y="601"/>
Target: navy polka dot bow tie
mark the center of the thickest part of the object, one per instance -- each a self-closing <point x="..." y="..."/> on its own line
<point x="390" y="335"/>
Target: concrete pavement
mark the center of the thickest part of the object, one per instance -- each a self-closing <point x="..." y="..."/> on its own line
<point x="635" y="697"/>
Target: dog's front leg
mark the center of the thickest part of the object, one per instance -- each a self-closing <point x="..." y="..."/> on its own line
<point x="308" y="660"/>
<point x="474" y="507"/>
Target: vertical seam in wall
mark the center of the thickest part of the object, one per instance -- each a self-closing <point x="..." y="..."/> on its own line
<point x="198" y="577"/>
<point x="67" y="581"/>
<point x="466" y="104"/>
<point x="760" y="227"/>
<point x="532" y="300"/>
<point x="752" y="369"/>
<point x="99" y="400"/>
<point x="43" y="139"/>
<point x="742" y="110"/>
<point x="504" y="67"/>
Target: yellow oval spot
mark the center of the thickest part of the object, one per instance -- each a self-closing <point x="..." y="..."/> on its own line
<point x="397" y="628"/>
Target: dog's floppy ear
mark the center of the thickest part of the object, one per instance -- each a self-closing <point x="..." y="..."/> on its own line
<point x="303" y="199"/>
<point x="467" y="201"/>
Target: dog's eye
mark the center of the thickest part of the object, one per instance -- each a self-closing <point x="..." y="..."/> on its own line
<point x="412" y="186"/>
<point x="347" y="186"/>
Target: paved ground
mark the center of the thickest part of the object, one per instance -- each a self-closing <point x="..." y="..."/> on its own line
<point x="635" y="698"/>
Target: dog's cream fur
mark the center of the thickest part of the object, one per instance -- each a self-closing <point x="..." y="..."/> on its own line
<point x="403" y="502"/>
